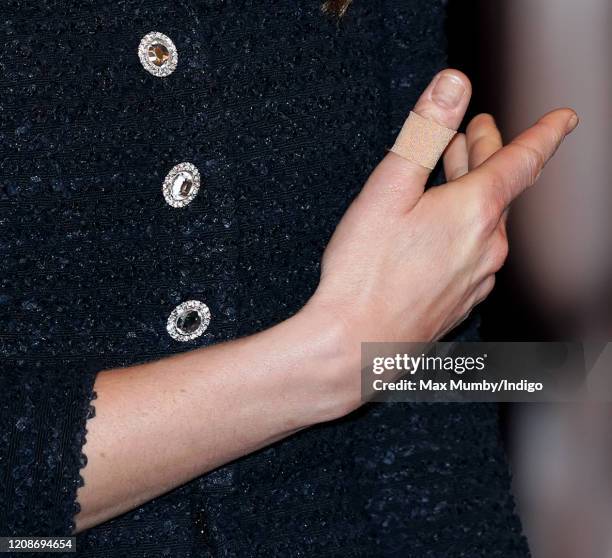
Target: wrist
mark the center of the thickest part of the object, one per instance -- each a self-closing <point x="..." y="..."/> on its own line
<point x="330" y="381"/>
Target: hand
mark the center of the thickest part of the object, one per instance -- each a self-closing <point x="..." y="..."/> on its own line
<point x="402" y="264"/>
<point x="409" y="265"/>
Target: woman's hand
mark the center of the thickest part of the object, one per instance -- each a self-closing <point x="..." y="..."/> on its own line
<point x="403" y="264"/>
<point x="409" y="265"/>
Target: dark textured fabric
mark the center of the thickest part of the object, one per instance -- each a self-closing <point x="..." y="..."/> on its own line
<point x="284" y="112"/>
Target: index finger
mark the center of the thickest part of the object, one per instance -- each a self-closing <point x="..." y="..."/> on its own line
<point x="518" y="165"/>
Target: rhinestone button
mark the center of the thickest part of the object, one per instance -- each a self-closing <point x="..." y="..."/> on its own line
<point x="188" y="320"/>
<point x="158" y="54"/>
<point x="181" y="184"/>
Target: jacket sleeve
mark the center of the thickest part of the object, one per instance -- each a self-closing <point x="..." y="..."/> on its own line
<point x="44" y="407"/>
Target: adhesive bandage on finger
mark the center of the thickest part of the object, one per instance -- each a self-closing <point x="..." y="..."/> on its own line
<point x="422" y="141"/>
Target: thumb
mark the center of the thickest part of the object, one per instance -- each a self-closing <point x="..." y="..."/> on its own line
<point x="398" y="183"/>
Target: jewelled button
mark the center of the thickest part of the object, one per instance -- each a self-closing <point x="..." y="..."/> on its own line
<point x="188" y="320"/>
<point x="181" y="184"/>
<point x="158" y="54"/>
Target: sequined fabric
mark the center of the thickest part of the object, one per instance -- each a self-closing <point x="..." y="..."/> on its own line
<point x="284" y="112"/>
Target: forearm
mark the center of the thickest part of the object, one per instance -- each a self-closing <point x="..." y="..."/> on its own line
<point x="160" y="424"/>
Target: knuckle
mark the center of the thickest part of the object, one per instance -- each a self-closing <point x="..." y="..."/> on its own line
<point x="488" y="286"/>
<point x="553" y="134"/>
<point x="499" y="254"/>
<point x="485" y="210"/>
<point x="485" y="289"/>
<point x="531" y="162"/>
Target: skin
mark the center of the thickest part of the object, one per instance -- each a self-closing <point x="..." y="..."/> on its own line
<point x="403" y="264"/>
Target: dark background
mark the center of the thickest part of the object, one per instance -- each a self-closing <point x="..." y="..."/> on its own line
<point x="474" y="31"/>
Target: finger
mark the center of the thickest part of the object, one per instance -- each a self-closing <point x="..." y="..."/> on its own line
<point x="515" y="167"/>
<point x="483" y="139"/>
<point x="398" y="182"/>
<point x="456" y="158"/>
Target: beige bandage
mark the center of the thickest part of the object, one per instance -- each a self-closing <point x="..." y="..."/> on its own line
<point x="422" y="141"/>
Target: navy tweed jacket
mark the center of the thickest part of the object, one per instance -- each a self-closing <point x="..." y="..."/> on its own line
<point x="282" y="112"/>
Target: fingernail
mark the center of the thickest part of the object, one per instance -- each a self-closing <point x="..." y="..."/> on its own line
<point x="571" y="124"/>
<point x="448" y="91"/>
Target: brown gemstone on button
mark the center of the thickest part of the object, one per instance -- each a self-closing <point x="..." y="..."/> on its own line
<point x="158" y="54"/>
